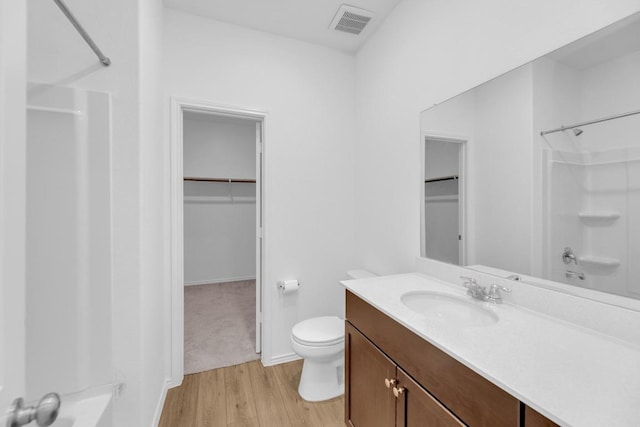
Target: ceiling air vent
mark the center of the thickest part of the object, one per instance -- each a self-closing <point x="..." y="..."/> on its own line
<point x="351" y="19"/>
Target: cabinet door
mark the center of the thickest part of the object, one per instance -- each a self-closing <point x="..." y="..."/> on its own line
<point x="368" y="402"/>
<point x="417" y="408"/>
<point x="533" y="418"/>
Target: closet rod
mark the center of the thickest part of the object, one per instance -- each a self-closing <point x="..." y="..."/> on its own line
<point x="228" y="180"/>
<point x="444" y="178"/>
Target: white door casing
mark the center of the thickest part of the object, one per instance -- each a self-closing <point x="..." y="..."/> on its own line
<point x="178" y="106"/>
<point x="259" y="237"/>
<point x="12" y="201"/>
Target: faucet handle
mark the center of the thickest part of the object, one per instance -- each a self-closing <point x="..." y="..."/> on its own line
<point x="494" y="293"/>
<point x="496" y="288"/>
<point x="468" y="282"/>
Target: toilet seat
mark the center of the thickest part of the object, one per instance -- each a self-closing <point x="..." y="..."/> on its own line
<point x="319" y="331"/>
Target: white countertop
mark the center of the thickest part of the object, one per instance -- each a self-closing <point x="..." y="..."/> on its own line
<point x="572" y="375"/>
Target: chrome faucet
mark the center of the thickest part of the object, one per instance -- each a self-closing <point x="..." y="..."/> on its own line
<point x="480" y="292"/>
<point x="568" y="256"/>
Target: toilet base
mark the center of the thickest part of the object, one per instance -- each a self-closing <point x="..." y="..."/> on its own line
<point x="321" y="381"/>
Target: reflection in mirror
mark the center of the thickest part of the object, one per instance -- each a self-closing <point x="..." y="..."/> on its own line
<point x="443" y="199"/>
<point x="551" y="175"/>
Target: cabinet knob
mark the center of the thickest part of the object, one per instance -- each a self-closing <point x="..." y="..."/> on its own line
<point x="389" y="382"/>
<point x="397" y="391"/>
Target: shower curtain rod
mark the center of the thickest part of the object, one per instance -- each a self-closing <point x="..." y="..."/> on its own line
<point x="590" y="122"/>
<point x="103" y="59"/>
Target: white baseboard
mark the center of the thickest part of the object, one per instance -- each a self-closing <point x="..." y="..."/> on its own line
<point x="284" y="358"/>
<point x="227" y="279"/>
<point x="163" y="396"/>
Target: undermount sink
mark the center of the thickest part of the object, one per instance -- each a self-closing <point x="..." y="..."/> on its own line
<point x="449" y="309"/>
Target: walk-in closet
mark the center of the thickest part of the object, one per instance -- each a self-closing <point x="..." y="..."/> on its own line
<point x="219" y="216"/>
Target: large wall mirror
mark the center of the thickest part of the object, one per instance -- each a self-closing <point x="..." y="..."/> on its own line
<point x="537" y="172"/>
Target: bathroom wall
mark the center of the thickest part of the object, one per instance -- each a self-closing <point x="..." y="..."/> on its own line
<point x="219" y="218"/>
<point x="494" y="118"/>
<point x="425" y="53"/>
<point x="590" y="172"/>
<point x="307" y="92"/>
<point x="128" y="32"/>
<point x="606" y="89"/>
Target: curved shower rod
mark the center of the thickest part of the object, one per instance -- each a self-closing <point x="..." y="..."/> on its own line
<point x="103" y="59"/>
<point x="590" y="122"/>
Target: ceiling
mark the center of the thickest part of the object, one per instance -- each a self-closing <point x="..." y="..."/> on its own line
<point x="619" y="39"/>
<point x="306" y="20"/>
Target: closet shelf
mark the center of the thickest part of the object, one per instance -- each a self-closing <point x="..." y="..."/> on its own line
<point x="598" y="261"/>
<point x="226" y="180"/>
<point x="599" y="215"/>
<point x="219" y="199"/>
<point x="448" y="198"/>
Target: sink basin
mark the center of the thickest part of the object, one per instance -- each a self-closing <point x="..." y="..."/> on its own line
<point x="449" y="309"/>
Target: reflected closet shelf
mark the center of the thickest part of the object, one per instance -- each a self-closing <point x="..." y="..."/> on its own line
<point x="446" y="198"/>
<point x="219" y="199"/>
<point x="224" y="180"/>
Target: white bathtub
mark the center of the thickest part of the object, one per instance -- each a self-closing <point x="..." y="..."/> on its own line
<point x="68" y="247"/>
<point x="85" y="411"/>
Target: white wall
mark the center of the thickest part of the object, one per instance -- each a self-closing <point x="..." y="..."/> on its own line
<point x="153" y="360"/>
<point x="500" y="173"/>
<point x="128" y="32"/>
<point x="308" y="94"/>
<point x="495" y="118"/>
<point x="219" y="218"/>
<point x="599" y="179"/>
<point x="424" y="53"/>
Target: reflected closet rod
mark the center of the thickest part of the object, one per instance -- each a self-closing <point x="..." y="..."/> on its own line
<point x="229" y="180"/>
<point x="590" y="122"/>
<point x="444" y="178"/>
<point x="103" y="59"/>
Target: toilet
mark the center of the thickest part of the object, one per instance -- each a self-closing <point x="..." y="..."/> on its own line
<point x="320" y="342"/>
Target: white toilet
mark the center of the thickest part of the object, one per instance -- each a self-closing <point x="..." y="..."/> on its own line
<point x="320" y="342"/>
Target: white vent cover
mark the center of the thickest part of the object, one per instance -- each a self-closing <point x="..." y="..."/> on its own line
<point x="351" y="19"/>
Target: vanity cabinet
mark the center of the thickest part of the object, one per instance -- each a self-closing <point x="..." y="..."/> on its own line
<point x="381" y="394"/>
<point x="433" y="388"/>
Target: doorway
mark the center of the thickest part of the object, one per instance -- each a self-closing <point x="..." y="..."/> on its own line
<point x="443" y="231"/>
<point x="217" y="199"/>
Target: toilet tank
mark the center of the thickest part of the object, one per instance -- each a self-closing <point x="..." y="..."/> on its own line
<point x="360" y="274"/>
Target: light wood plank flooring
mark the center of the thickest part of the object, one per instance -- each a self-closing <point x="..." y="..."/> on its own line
<point x="248" y="395"/>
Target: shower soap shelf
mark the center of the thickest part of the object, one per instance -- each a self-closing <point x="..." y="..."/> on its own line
<point x="598" y="261"/>
<point x="599" y="218"/>
<point x="604" y="215"/>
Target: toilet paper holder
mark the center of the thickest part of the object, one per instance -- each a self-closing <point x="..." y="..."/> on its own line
<point x="288" y="286"/>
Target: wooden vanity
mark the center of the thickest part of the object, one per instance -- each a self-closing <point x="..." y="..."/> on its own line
<point x="393" y="377"/>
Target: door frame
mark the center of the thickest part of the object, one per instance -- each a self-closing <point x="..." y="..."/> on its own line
<point x="13" y="84"/>
<point x="462" y="141"/>
<point x="178" y="107"/>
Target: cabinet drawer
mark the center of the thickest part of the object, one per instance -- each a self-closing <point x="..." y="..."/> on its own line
<point x="476" y="401"/>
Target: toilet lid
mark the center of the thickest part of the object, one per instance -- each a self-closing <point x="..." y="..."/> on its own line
<point x="326" y="330"/>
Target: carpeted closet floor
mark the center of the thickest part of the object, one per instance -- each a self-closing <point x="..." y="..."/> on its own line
<point x="219" y="325"/>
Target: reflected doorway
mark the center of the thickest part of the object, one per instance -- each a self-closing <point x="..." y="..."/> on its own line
<point x="443" y="199"/>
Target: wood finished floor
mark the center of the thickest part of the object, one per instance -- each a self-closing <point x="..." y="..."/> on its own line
<point x="248" y="395"/>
